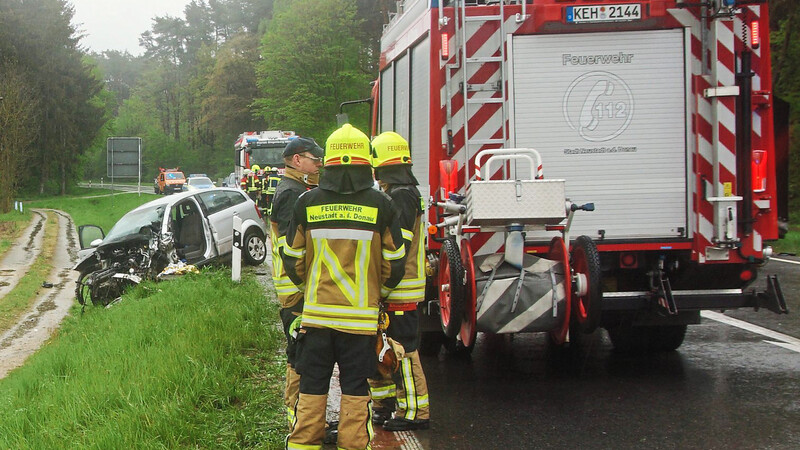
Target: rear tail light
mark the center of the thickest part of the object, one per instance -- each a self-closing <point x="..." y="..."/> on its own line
<point x="258" y="211"/>
<point x="628" y="260"/>
<point x="759" y="171"/>
<point x="448" y="176"/>
<point x="755" y="35"/>
<point x="445" y="46"/>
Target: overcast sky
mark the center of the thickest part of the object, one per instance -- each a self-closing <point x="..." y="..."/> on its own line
<point x="117" y="24"/>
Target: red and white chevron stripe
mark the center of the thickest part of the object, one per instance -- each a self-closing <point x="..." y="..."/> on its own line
<point x="486" y="121"/>
<point x="714" y="119"/>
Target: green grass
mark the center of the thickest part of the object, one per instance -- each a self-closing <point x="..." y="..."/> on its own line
<point x="20" y="299"/>
<point x="101" y="211"/>
<point x="190" y="363"/>
<point x="790" y="243"/>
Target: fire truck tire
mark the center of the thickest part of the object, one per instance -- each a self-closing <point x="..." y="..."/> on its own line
<point x="630" y="339"/>
<point x="451" y="288"/>
<point x="469" y="327"/>
<point x="455" y="347"/>
<point x="255" y="250"/>
<point x="587" y="308"/>
<point x="558" y="253"/>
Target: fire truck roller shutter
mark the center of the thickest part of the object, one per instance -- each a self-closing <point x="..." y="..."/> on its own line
<point x="402" y="100"/>
<point x="420" y="114"/>
<point x="608" y="113"/>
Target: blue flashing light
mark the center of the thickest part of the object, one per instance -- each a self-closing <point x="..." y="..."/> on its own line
<point x="728" y="2"/>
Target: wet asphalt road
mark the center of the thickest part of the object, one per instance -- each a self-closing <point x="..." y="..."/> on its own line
<point x="725" y="388"/>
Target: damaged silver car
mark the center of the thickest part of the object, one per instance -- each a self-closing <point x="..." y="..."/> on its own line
<point x="191" y="228"/>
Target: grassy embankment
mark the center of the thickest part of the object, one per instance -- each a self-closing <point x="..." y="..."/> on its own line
<point x="188" y="363"/>
<point x="194" y="362"/>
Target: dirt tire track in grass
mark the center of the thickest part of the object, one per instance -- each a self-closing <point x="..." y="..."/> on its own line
<point x="19" y="258"/>
<point x="51" y="304"/>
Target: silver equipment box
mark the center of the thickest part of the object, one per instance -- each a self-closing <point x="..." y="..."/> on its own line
<point x="500" y="202"/>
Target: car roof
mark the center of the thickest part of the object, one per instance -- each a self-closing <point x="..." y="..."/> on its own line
<point x="170" y="200"/>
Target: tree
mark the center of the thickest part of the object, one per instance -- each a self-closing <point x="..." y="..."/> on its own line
<point x="311" y="63"/>
<point x="17" y="111"/>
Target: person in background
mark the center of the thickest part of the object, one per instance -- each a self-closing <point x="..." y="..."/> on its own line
<point x="303" y="158"/>
<point x="391" y="159"/>
<point x="344" y="249"/>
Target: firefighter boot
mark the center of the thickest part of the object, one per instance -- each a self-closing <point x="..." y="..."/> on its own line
<point x="382" y="392"/>
<point x="355" y="426"/>
<point x="413" y="410"/>
<point x="309" y="427"/>
<point x="291" y="393"/>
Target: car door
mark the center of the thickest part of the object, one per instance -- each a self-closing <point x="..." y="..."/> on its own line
<point x="219" y="208"/>
<point x="194" y="239"/>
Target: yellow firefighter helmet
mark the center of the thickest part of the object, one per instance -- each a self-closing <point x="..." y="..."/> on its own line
<point x="347" y="146"/>
<point x="255" y="168"/>
<point x="388" y="149"/>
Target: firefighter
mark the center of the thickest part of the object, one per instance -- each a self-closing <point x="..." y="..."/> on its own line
<point x="243" y="181"/>
<point x="344" y="248"/>
<point x="273" y="178"/>
<point x="303" y="158"/>
<point x="392" y="162"/>
<point x="253" y="185"/>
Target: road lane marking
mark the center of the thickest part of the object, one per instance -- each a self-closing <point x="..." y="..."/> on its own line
<point x="785" y="261"/>
<point x="785" y="341"/>
<point x="792" y="347"/>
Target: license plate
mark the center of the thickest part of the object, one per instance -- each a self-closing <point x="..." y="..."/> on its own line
<point x="604" y="13"/>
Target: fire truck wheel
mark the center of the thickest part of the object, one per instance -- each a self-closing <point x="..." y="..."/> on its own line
<point x="255" y="250"/>
<point x="451" y="288"/>
<point x="558" y="253"/>
<point x="469" y="329"/>
<point x="586" y="302"/>
<point x="455" y="347"/>
<point x="630" y="339"/>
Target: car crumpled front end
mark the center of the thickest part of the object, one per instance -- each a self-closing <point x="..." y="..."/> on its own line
<point x="112" y="267"/>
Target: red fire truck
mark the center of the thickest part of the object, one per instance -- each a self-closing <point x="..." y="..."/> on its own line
<point x="658" y="113"/>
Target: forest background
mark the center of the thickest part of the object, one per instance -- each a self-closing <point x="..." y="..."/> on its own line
<point x="225" y="67"/>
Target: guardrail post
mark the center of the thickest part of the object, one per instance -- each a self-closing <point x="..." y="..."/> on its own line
<point x="236" y="253"/>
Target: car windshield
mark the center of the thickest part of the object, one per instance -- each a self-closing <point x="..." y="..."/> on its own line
<point x="174" y="176"/>
<point x="200" y="182"/>
<point x="132" y="223"/>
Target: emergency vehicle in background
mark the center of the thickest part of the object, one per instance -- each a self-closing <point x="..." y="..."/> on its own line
<point x="260" y="148"/>
<point x="657" y="112"/>
<point x="168" y="181"/>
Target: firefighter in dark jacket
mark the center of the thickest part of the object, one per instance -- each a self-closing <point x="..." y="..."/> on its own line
<point x="392" y="162"/>
<point x="344" y="249"/>
<point x="303" y="158"/>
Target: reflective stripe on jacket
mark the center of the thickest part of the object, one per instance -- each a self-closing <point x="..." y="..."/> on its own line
<point x="348" y="251"/>
<point x="408" y="201"/>
<point x="288" y="190"/>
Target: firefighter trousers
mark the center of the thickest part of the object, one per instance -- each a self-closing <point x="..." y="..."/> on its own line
<point x="289" y="315"/>
<point x="408" y="385"/>
<point x="318" y="349"/>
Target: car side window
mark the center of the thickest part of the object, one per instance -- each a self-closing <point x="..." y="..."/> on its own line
<point x="236" y="197"/>
<point x="215" y="201"/>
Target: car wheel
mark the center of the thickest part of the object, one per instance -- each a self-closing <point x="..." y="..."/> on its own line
<point x="255" y="249"/>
